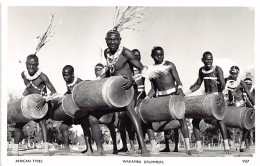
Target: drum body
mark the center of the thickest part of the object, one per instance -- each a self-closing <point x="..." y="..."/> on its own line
<point x="23" y="109"/>
<point x="211" y="106"/>
<point x="102" y="94"/>
<point x="238" y="117"/>
<point x="157" y="109"/>
<point x="64" y="109"/>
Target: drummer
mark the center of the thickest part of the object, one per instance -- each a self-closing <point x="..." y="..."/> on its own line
<point x="214" y="82"/>
<point x="71" y="81"/>
<point x="36" y="82"/>
<point x="105" y="118"/>
<point x="238" y="95"/>
<point x="167" y="83"/>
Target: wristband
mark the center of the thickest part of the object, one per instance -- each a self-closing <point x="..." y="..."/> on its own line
<point x="179" y="86"/>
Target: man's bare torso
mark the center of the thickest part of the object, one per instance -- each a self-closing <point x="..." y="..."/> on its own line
<point x="38" y="82"/>
<point x="164" y="81"/>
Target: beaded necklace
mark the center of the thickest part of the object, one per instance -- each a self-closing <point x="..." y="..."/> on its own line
<point x="112" y="59"/>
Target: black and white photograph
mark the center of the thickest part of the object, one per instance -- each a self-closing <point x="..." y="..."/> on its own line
<point x="130" y="85"/>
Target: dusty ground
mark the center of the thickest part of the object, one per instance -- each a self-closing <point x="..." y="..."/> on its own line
<point x="208" y="152"/>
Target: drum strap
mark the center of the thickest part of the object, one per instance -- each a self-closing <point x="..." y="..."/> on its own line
<point x="35" y="87"/>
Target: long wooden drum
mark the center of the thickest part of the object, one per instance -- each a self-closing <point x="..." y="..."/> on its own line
<point x="211" y="106"/>
<point x="23" y="109"/>
<point x="64" y="108"/>
<point x="239" y="117"/>
<point x="165" y="125"/>
<point x="161" y="109"/>
<point x="102" y="94"/>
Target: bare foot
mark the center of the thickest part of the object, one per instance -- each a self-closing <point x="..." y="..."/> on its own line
<point x="131" y="151"/>
<point x="124" y="149"/>
<point x="115" y="151"/>
<point x="165" y="150"/>
<point x="188" y="152"/>
<point x="145" y="153"/>
<point x="87" y="152"/>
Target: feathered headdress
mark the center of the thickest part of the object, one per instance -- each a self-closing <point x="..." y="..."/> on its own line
<point x="46" y="37"/>
<point x="128" y="18"/>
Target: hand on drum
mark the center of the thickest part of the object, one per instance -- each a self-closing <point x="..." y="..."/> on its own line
<point x="128" y="84"/>
<point x="40" y="105"/>
<point x="180" y="93"/>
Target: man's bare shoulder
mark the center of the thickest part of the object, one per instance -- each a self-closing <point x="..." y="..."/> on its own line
<point x="168" y="63"/>
<point x="219" y="69"/>
<point x="22" y="74"/>
<point x="200" y="70"/>
<point x="43" y="76"/>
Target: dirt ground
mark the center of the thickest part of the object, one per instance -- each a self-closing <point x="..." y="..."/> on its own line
<point x="208" y="152"/>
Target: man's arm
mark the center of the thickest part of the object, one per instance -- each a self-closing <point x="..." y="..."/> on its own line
<point x="25" y="93"/>
<point x="132" y="60"/>
<point x="48" y="83"/>
<point x="196" y="85"/>
<point x="151" y="93"/>
<point x="176" y="77"/>
<point x="221" y="78"/>
<point x="250" y="96"/>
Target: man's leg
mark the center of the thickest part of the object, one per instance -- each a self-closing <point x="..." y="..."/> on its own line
<point x="230" y="136"/>
<point x="96" y="133"/>
<point x="17" y="137"/>
<point x="44" y="129"/>
<point x="223" y="130"/>
<point x="122" y="130"/>
<point x="151" y="136"/>
<point x="185" y="133"/>
<point x="123" y="138"/>
<point x="87" y="137"/>
<point x="111" y="128"/>
<point x="65" y="133"/>
<point x="176" y="140"/>
<point x="131" y="136"/>
<point x="244" y="141"/>
<point x="196" y="131"/>
<point x="166" y="141"/>
<point x="137" y="126"/>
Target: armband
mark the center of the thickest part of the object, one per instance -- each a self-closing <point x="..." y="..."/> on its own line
<point x="179" y="86"/>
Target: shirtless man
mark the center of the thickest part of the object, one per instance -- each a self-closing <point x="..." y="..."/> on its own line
<point x="168" y="83"/>
<point x="147" y="128"/>
<point x="104" y="117"/>
<point x="237" y="90"/>
<point x="214" y="83"/>
<point x="71" y="81"/>
<point x="36" y="83"/>
<point x="119" y="61"/>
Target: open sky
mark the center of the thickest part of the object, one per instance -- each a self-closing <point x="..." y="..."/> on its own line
<point x="185" y="33"/>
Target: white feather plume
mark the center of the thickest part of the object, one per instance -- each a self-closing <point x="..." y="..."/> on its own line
<point x="47" y="36"/>
<point x="155" y="71"/>
<point x="128" y="18"/>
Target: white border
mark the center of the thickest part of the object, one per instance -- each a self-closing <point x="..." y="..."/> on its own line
<point x="70" y="160"/>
